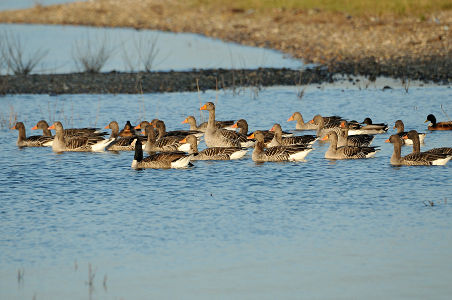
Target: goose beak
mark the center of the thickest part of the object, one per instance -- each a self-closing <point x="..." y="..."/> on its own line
<point x="52" y="127"/>
<point x="183" y="141"/>
<point x="426" y="121"/>
<point x="35" y="128"/>
<point x="184" y="121"/>
<point x="272" y="129"/>
<point x="204" y="107"/>
<point x="290" y="119"/>
<point x="14" y="127"/>
<point x="325" y="138"/>
<point x="106" y="127"/>
<point x="311" y="122"/>
<point x="394" y="127"/>
<point x="234" y="126"/>
<point x="137" y="127"/>
<point x="250" y="137"/>
<point x="387" y="141"/>
<point x="342" y="125"/>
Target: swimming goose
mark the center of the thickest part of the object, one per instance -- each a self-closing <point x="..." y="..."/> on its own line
<point x="163" y="160"/>
<point x="215" y="137"/>
<point x="164" y="144"/>
<point x="203" y="126"/>
<point x="31" y="141"/>
<point x="242" y="125"/>
<point x="121" y="143"/>
<point x="128" y="130"/>
<point x="414" y="136"/>
<point x="214" y="153"/>
<point x="446" y="125"/>
<point x="301" y="125"/>
<point x="177" y="134"/>
<point x="401" y="132"/>
<point x="347" y="152"/>
<point x="322" y="127"/>
<point x="278" y="140"/>
<point x="44" y="126"/>
<point x="277" y="153"/>
<point x="359" y="140"/>
<point x="414" y="158"/>
<point x="77" y="143"/>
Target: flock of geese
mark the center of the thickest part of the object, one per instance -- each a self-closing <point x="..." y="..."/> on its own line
<point x="226" y="140"/>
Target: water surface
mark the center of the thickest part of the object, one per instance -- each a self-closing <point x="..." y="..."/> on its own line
<point x="234" y="229"/>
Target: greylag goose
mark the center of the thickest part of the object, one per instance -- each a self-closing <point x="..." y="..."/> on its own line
<point x="121" y="143"/>
<point x="322" y="127"/>
<point x="77" y="143"/>
<point x="203" y="126"/>
<point x="31" y="141"/>
<point x="414" y="158"/>
<point x="401" y="132"/>
<point x="359" y="140"/>
<point x="164" y="144"/>
<point x="163" y="160"/>
<point x="214" y="153"/>
<point x="433" y="125"/>
<point x="277" y="153"/>
<point x="215" y="137"/>
<point x="301" y="125"/>
<point x="347" y="152"/>
<point x="177" y="134"/>
<point x="279" y="140"/>
<point x="414" y="136"/>
<point x="44" y="126"/>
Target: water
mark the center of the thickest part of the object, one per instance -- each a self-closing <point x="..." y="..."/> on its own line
<point x="232" y="229"/>
<point x="172" y="51"/>
<point x="22" y="4"/>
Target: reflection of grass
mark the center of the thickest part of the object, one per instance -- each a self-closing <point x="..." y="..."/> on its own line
<point x="354" y="7"/>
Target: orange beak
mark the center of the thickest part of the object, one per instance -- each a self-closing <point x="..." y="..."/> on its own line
<point x="325" y="138"/>
<point x="272" y="129"/>
<point x="184" y="121"/>
<point x="183" y="141"/>
<point x="52" y="127"/>
<point x="250" y="137"/>
<point x="387" y="141"/>
<point x="204" y="107"/>
<point x="14" y="127"/>
<point x="106" y="127"/>
<point x="290" y="119"/>
<point x="393" y="127"/>
<point x="137" y="127"/>
<point x="35" y="128"/>
<point x="311" y="122"/>
<point x="234" y="126"/>
<point x="342" y="124"/>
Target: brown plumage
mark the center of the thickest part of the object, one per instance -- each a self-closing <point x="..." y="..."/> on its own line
<point x="31" y="141"/>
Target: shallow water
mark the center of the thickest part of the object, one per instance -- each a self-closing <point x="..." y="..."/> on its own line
<point x="234" y="229"/>
<point x="21" y="4"/>
<point x="172" y="51"/>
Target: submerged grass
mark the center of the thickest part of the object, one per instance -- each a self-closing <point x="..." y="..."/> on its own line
<point x="353" y="7"/>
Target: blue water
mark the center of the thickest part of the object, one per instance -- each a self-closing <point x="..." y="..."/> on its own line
<point x="172" y="51"/>
<point x="21" y="4"/>
<point x="232" y="229"/>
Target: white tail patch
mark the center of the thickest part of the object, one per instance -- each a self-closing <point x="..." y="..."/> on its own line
<point x="100" y="146"/>
<point x="247" y="144"/>
<point x="48" y="144"/>
<point x="372" y="154"/>
<point x="238" y="154"/>
<point x="134" y="164"/>
<point x="299" y="155"/>
<point x="181" y="162"/>
<point x="442" y="161"/>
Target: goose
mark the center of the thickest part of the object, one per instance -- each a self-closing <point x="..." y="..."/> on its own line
<point x="347" y="152"/>
<point x="121" y="143"/>
<point x="446" y="125"/>
<point x="414" y="158"/>
<point x="401" y="132"/>
<point x="278" y="140"/>
<point x="214" y="153"/>
<point x="277" y="153"/>
<point x="177" y="134"/>
<point x="322" y="127"/>
<point x="203" y="126"/>
<point x="44" y="126"/>
<point x="301" y="125"/>
<point x="164" y="144"/>
<point x="359" y="140"/>
<point x="77" y="143"/>
<point x="128" y="130"/>
<point x="414" y="136"/>
<point x="164" y="160"/>
<point x="31" y="141"/>
<point x="215" y="137"/>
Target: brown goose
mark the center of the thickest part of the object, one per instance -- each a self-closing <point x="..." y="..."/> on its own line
<point x="121" y="143"/>
<point x="433" y="125"/>
<point x="347" y="152"/>
<point x="31" y="141"/>
<point x="301" y="125"/>
<point x="215" y="137"/>
<point x="277" y="153"/>
<point x="164" y="160"/>
<point x="279" y="140"/>
<point x="401" y="132"/>
<point x="322" y="127"/>
<point x="128" y="130"/>
<point x="214" y="153"/>
<point x="414" y="158"/>
<point x="359" y="140"/>
<point x="44" y="126"/>
<point x="77" y="143"/>
<point x="203" y="126"/>
<point x="177" y="134"/>
<point x="164" y="144"/>
<point x="414" y="136"/>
